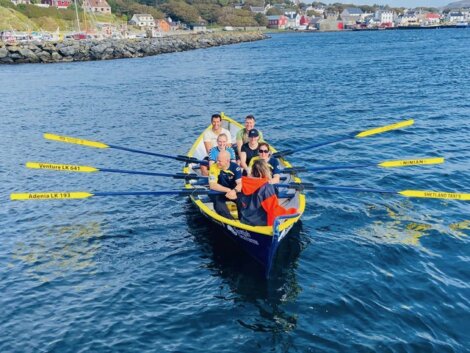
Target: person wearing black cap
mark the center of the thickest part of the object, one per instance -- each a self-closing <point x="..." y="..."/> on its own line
<point x="242" y="134"/>
<point x="249" y="150"/>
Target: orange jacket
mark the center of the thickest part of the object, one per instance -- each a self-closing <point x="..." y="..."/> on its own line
<point x="258" y="204"/>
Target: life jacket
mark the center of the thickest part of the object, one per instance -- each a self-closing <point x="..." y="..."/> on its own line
<point x="258" y="203"/>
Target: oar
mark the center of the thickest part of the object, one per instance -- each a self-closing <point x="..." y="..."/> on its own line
<point x="63" y="195"/>
<point x="350" y="136"/>
<point x="95" y="144"/>
<point x="407" y="193"/>
<point x="89" y="169"/>
<point x="385" y="164"/>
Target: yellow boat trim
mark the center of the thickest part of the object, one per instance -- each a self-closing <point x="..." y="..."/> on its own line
<point x="266" y="230"/>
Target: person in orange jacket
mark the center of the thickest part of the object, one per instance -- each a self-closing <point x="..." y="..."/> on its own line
<point x="258" y="204"/>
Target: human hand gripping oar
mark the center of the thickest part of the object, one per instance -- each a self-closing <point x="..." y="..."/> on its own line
<point x="384" y="164"/>
<point x="95" y="144"/>
<point x="350" y="136"/>
<point x="407" y="193"/>
<point x="89" y="169"/>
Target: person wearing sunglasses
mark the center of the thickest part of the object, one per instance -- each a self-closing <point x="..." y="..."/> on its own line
<point x="264" y="153"/>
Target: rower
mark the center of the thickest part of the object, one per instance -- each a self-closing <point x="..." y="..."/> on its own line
<point x="224" y="176"/>
<point x="210" y="138"/>
<point x="221" y="146"/>
<point x="242" y="134"/>
<point x="264" y="153"/>
<point x="258" y="204"/>
<point x="249" y="150"/>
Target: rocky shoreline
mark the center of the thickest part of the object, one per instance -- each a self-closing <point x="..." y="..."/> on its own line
<point x="87" y="50"/>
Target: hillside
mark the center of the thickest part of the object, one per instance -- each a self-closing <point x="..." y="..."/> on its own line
<point x="210" y="12"/>
<point x="458" y="4"/>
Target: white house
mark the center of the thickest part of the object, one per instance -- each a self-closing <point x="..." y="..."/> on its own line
<point x="455" y="16"/>
<point x="293" y="19"/>
<point x="384" y="18"/>
<point x="142" y="20"/>
<point x="408" y="19"/>
<point x="100" y="6"/>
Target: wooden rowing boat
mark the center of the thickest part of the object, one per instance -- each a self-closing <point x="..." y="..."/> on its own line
<point x="261" y="242"/>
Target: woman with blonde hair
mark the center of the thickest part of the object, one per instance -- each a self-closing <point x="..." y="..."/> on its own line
<point x="258" y="204"/>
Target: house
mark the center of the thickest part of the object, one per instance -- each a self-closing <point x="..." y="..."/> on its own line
<point x="318" y="9"/>
<point x="162" y="25"/>
<point x="293" y="19"/>
<point x="99" y="6"/>
<point x="278" y="22"/>
<point x="384" y="18"/>
<point x="455" y="16"/>
<point x="18" y="2"/>
<point x="257" y="9"/>
<point x="351" y="15"/>
<point x="198" y="27"/>
<point x="409" y="18"/>
<point x="142" y="20"/>
<point x="432" y="18"/>
<point x="60" y="4"/>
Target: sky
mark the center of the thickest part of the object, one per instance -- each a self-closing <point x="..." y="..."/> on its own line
<point x="396" y="3"/>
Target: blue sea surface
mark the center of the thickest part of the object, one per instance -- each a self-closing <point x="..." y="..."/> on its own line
<point x="363" y="272"/>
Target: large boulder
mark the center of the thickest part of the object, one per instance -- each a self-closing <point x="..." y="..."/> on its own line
<point x="3" y="53"/>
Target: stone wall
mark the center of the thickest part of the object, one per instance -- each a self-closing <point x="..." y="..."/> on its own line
<point x="85" y="50"/>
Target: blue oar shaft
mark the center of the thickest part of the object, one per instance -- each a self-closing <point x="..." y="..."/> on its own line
<point x="344" y="166"/>
<point x="186" y="192"/>
<point x="310" y="186"/>
<point x="354" y="189"/>
<point x="178" y="158"/>
<point x="315" y="145"/>
<point x="176" y="176"/>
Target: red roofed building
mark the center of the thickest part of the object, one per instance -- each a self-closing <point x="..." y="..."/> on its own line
<point x="433" y="18"/>
<point x="96" y="6"/>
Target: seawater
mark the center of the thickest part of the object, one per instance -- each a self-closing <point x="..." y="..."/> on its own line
<point x="361" y="273"/>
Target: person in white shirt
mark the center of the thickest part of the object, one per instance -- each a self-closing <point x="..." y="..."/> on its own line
<point x="210" y="138"/>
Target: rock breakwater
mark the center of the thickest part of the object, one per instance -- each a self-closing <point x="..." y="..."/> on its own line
<point x="86" y="50"/>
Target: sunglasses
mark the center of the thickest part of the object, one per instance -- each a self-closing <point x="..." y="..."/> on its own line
<point x="263" y="151"/>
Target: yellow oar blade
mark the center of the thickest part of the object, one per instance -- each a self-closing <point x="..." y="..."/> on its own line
<point x="379" y="130"/>
<point x="76" y="141"/>
<point x="50" y="195"/>
<point x="435" y="195"/>
<point x="62" y="167"/>
<point x="411" y="162"/>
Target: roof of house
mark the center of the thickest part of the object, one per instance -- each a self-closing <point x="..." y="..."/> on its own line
<point x="97" y="3"/>
<point x="256" y="9"/>
<point x="353" y="10"/>
<point x="140" y="15"/>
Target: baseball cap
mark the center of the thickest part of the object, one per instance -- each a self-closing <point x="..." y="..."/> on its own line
<point x="253" y="133"/>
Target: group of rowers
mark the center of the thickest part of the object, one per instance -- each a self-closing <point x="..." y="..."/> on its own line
<point x="244" y="173"/>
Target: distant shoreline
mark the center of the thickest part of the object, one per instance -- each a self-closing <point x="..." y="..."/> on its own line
<point x="88" y="50"/>
<point x="404" y="28"/>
